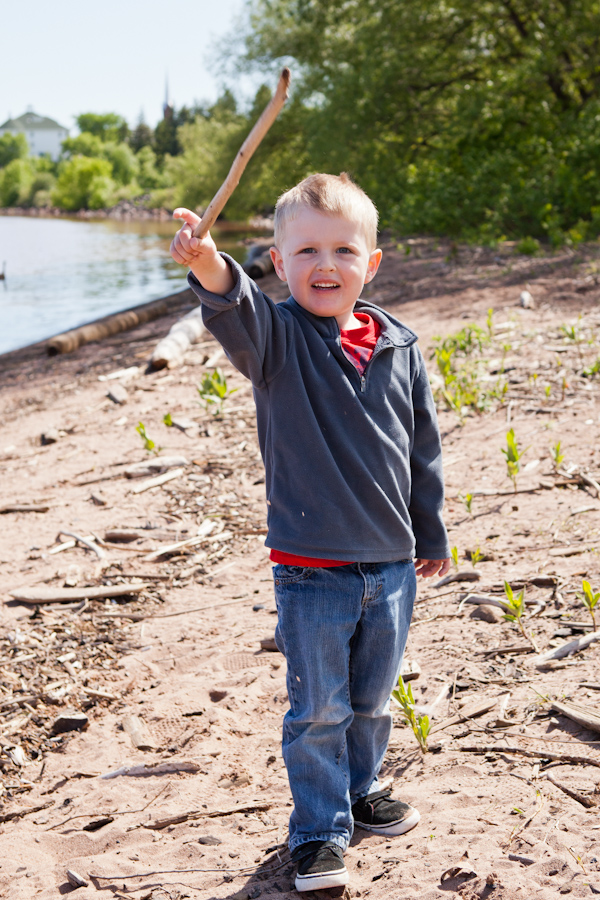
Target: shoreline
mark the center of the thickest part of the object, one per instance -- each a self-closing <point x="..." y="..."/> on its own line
<point x="129" y="211"/>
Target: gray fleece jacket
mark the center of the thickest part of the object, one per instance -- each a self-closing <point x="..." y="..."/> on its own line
<point x="353" y="464"/>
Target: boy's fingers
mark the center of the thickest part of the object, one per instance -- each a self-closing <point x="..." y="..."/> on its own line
<point x="189" y="217"/>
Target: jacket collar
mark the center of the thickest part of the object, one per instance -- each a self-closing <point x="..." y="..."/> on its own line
<point x="393" y="332"/>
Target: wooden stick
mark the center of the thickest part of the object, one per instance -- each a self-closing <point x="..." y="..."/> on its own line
<point x="244" y="154"/>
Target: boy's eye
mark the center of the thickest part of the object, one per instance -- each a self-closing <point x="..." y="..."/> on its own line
<point x="344" y="250"/>
<point x="308" y="250"/>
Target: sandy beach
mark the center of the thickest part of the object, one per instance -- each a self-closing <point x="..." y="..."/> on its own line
<point x="141" y="731"/>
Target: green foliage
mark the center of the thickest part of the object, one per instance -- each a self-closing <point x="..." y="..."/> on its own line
<point x="420" y="725"/>
<point x="594" y="369"/>
<point x="85" y="144"/>
<point x="168" y="420"/>
<point x="106" y="126"/>
<point x="213" y="390"/>
<point x="83" y="182"/>
<point x="515" y="610"/>
<point x="15" y="182"/>
<point x="476" y="556"/>
<point x="479" y="120"/>
<point x="12" y="146"/>
<point x="467" y="499"/>
<point x="513" y="455"/>
<point x="557" y="456"/>
<point x="149" y="444"/>
<point x="461" y="368"/>
<point x="454" y="556"/>
<point x="528" y="246"/>
<point x="590" y="599"/>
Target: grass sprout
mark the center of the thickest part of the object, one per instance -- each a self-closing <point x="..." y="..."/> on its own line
<point x="213" y="390"/>
<point x="590" y="599"/>
<point x="513" y="455"/>
<point x="420" y="725"/>
<point x="515" y="611"/>
<point x="149" y="444"/>
<point x="557" y="456"/>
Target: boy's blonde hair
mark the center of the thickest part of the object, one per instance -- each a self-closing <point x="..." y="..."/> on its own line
<point x="336" y="195"/>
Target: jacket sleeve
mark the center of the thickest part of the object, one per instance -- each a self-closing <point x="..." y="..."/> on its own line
<point x="427" y="477"/>
<point x="248" y="325"/>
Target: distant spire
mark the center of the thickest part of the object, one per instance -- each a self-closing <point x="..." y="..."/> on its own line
<point x="167" y="105"/>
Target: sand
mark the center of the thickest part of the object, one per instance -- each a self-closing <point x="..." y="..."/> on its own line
<point x="203" y="813"/>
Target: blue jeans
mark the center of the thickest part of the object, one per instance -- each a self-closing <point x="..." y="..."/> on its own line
<point x="343" y="631"/>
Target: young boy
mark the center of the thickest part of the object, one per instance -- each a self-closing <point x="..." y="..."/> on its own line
<point x="349" y="438"/>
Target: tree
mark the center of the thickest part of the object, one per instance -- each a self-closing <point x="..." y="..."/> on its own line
<point x="80" y="179"/>
<point x="141" y="136"/>
<point x="106" y="126"/>
<point x="12" y="146"/>
<point x="15" y="183"/>
<point x="463" y="118"/>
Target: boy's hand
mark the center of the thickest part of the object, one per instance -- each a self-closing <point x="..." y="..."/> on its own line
<point x="200" y="255"/>
<point x="428" y="567"/>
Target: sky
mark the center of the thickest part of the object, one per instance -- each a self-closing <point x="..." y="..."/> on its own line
<point x="65" y="57"/>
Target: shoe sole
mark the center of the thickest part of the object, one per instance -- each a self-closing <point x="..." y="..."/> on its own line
<point x="322" y="880"/>
<point x="393" y="829"/>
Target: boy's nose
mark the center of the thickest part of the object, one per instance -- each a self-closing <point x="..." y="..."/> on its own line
<point x="326" y="264"/>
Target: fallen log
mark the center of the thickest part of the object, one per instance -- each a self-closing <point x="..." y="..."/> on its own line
<point x="96" y="331"/>
<point x="23" y="507"/>
<point x="37" y="595"/>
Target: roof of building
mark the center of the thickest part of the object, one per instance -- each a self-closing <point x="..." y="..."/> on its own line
<point x="30" y="121"/>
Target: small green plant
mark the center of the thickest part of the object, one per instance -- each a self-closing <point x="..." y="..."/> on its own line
<point x="213" y="390"/>
<point x="489" y="322"/>
<point x="476" y="556"/>
<point x="528" y="246"/>
<point x="467" y="501"/>
<point x="557" y="456"/>
<point x="454" y="555"/>
<point x="590" y="599"/>
<point x="149" y="444"/>
<point x="513" y="455"/>
<point x="548" y="391"/>
<point x="515" y="610"/>
<point x="168" y="420"/>
<point x="420" y="725"/>
<point x="592" y="370"/>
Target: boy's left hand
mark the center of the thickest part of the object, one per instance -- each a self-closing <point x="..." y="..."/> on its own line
<point x="428" y="567"/>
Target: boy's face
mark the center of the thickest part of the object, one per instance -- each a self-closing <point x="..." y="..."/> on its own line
<point x="325" y="261"/>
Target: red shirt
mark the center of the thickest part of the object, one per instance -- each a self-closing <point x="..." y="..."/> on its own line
<point x="358" y="345"/>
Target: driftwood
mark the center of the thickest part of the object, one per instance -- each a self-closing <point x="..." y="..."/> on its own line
<point x="156" y="482"/>
<point x="565" y="758"/>
<point x="155" y="466"/>
<point x="583" y="715"/>
<point x="469" y="712"/>
<point x="23" y="507"/>
<point x="203" y="814"/>
<point x="170" y="351"/>
<point x="207" y="526"/>
<point x="18" y="813"/>
<point x="96" y="331"/>
<point x="567" y="649"/>
<point x="60" y="595"/>
<point x="458" y="576"/>
<point x="244" y="154"/>
<point x="86" y="543"/>
<point x="159" y="768"/>
<point x="585" y="799"/>
<point x="138" y="732"/>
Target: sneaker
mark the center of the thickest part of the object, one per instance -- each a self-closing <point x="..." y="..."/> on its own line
<point x="378" y="812"/>
<point x="320" y="865"/>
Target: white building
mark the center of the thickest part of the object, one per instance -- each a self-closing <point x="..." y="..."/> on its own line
<point x="43" y="135"/>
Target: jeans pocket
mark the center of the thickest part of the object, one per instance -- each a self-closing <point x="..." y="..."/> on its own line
<point x="285" y="574"/>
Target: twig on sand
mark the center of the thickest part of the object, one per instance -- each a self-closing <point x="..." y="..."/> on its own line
<point x="86" y="543"/>
<point x="566" y="758"/>
<point x="203" y="814"/>
<point x="585" y="800"/>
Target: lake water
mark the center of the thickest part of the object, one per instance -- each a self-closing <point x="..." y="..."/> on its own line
<point x="61" y="273"/>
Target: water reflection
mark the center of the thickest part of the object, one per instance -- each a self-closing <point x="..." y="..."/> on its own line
<point x="61" y="273"/>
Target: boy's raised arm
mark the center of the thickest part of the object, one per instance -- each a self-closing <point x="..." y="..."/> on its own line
<point x="200" y="255"/>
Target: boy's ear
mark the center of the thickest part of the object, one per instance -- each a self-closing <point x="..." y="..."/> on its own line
<point x="278" y="263"/>
<point x="374" y="260"/>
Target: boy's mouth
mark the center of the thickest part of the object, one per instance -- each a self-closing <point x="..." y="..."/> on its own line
<point x="325" y="285"/>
